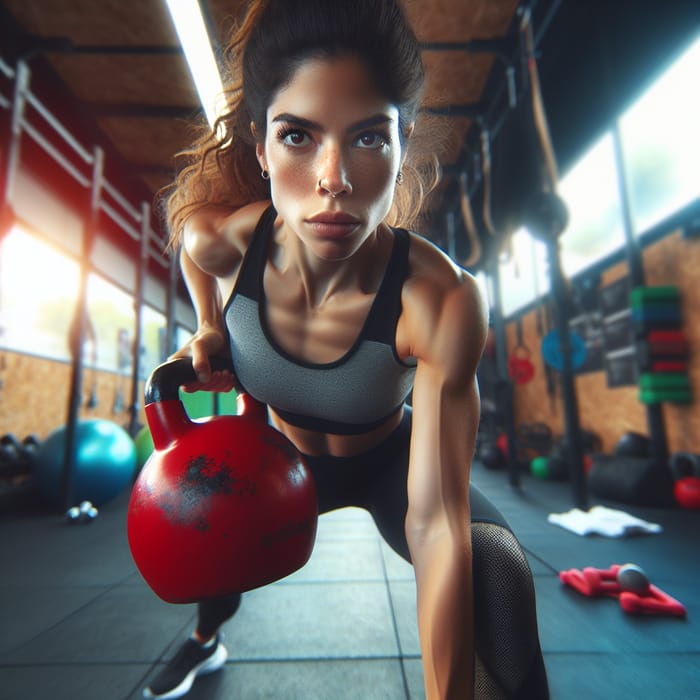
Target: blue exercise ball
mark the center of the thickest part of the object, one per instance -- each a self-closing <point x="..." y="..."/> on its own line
<point x="105" y="460"/>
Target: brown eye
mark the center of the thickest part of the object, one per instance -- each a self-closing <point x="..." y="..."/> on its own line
<point x="371" y="140"/>
<point x="294" y="137"/>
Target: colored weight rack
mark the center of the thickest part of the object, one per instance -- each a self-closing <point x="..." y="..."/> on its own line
<point x="662" y="348"/>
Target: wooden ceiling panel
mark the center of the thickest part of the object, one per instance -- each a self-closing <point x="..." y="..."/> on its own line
<point x="455" y="77"/>
<point x="459" y="20"/>
<point x="148" y="141"/>
<point x="97" y="22"/>
<point x="150" y="80"/>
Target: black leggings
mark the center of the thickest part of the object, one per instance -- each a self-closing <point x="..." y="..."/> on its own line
<point x="509" y="661"/>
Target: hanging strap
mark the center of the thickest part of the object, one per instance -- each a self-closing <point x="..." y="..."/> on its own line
<point x="475" y="249"/>
<point x="486" y="174"/>
<point x="538" y="111"/>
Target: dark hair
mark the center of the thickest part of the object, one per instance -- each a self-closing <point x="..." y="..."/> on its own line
<point x="291" y="31"/>
<point x="261" y="58"/>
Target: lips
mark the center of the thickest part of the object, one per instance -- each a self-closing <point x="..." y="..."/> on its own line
<point x="333" y="224"/>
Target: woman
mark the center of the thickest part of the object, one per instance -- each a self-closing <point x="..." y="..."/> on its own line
<point x="332" y="317"/>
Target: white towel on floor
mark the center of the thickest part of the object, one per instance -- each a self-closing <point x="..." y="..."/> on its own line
<point x="602" y="521"/>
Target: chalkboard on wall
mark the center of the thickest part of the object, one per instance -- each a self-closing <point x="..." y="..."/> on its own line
<point x="620" y="355"/>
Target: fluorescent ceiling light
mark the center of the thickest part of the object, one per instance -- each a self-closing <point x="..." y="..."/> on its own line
<point x="194" y="39"/>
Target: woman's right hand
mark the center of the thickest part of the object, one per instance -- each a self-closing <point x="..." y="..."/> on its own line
<point x="207" y="341"/>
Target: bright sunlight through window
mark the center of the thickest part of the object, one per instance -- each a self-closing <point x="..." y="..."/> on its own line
<point x="38" y="289"/>
<point x="590" y="191"/>
<point x="661" y="143"/>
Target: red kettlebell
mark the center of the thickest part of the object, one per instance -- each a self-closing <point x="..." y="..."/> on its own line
<point x="520" y="367"/>
<point x="687" y="492"/>
<point x="223" y="505"/>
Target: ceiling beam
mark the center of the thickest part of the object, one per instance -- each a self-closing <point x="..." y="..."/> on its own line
<point x="65" y="45"/>
<point x="503" y="48"/>
<point x="471" y="110"/>
<point x="142" y="110"/>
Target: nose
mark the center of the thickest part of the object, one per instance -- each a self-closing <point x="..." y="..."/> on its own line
<point x="333" y="174"/>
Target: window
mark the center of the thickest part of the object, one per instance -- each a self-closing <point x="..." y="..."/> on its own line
<point x="590" y="190"/>
<point x="152" y="340"/>
<point x="661" y="143"/>
<point x="182" y="336"/>
<point x="38" y="292"/>
<point x="523" y="272"/>
<point x="111" y="313"/>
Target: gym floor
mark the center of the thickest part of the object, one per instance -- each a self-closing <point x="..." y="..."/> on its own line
<point x="78" y="622"/>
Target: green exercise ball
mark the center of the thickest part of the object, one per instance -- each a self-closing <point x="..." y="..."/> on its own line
<point x="144" y="446"/>
<point x="539" y="467"/>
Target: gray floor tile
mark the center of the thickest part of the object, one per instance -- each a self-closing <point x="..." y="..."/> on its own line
<point x="34" y="609"/>
<point x="397" y="568"/>
<point x="71" y="682"/>
<point x="309" y="620"/>
<point x="91" y="555"/>
<point x="413" y="670"/>
<point x="537" y="566"/>
<point x="346" y="524"/>
<point x="125" y="625"/>
<point x="341" y="679"/>
<point x="339" y="560"/>
<point x="403" y="600"/>
<point x="638" y="677"/>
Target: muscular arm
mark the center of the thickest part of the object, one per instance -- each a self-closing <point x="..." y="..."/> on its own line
<point x="213" y="245"/>
<point x="445" y="420"/>
<point x="206" y="300"/>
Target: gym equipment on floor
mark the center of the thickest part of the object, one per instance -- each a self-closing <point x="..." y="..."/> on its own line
<point x="629" y="584"/>
<point x="103" y="466"/>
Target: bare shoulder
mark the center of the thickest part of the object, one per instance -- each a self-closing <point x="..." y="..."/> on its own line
<point x="216" y="237"/>
<point x="445" y="316"/>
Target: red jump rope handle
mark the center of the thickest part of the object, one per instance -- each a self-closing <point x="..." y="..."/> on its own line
<point x="656" y="602"/>
<point x="596" y="582"/>
<point x="592" y="582"/>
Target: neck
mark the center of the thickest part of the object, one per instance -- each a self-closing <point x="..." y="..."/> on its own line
<point x="322" y="279"/>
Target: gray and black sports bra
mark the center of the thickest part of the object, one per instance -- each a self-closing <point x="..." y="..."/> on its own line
<point x="352" y="395"/>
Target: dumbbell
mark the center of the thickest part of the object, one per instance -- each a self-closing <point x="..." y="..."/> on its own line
<point x="84" y="513"/>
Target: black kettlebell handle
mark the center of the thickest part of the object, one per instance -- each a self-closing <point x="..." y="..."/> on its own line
<point x="166" y="379"/>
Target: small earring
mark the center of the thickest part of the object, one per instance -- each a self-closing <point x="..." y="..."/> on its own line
<point x="264" y="174"/>
<point x="399" y="177"/>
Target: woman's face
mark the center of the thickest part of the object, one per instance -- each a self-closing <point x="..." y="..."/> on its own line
<point x="333" y="153"/>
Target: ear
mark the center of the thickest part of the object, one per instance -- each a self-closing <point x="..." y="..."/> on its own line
<point x="260" y="155"/>
<point x="405" y="136"/>
<point x="259" y="147"/>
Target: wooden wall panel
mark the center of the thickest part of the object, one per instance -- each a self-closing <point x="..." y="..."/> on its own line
<point x="34" y="397"/>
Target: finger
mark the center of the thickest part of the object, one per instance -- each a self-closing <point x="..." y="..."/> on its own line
<point x="222" y="381"/>
<point x="200" y="362"/>
<point x="180" y="353"/>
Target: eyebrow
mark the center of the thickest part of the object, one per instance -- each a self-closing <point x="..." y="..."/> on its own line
<point x="315" y="126"/>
